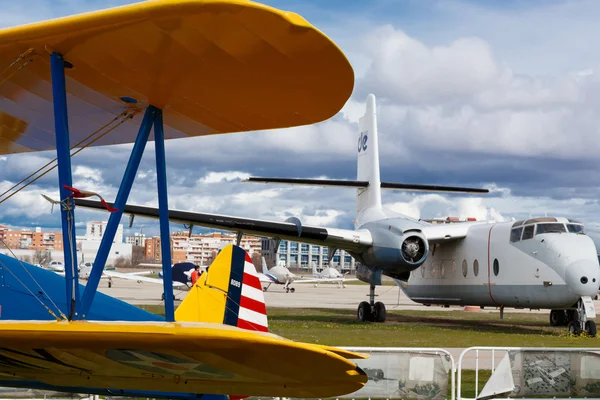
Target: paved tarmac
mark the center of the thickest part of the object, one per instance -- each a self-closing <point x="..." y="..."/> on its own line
<point x="305" y="296"/>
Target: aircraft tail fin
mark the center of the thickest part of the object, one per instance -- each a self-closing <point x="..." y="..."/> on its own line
<point x="265" y="269"/>
<point x="368" y="182"/>
<point x="229" y="293"/>
<point x="181" y="272"/>
<point x="369" y="197"/>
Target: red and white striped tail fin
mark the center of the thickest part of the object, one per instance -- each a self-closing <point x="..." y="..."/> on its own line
<point x="229" y="292"/>
<point x="253" y="310"/>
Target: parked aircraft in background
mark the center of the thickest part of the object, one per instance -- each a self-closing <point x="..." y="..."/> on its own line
<point x="280" y="275"/>
<point x="331" y="274"/>
<point x="56" y="266"/>
<point x="542" y="263"/>
<point x="86" y="268"/>
<point x="181" y="273"/>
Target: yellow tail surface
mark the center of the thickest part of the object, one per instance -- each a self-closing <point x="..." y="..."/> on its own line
<point x="229" y="292"/>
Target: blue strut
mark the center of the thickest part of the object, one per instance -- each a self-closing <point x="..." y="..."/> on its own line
<point x="163" y="213"/>
<point x="115" y="217"/>
<point x="67" y="208"/>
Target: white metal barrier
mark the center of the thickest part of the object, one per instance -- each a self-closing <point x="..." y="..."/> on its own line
<point x="525" y="372"/>
<point x="415" y="371"/>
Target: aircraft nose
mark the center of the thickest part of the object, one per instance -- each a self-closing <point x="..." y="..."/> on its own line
<point x="583" y="277"/>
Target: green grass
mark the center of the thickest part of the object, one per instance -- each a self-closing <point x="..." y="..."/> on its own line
<point x="445" y="329"/>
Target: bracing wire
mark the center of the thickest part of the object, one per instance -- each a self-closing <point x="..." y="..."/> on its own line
<point x="50" y="162"/>
<point x="213" y="295"/>
<point x="126" y="115"/>
<point x="35" y="281"/>
<point x="28" y="57"/>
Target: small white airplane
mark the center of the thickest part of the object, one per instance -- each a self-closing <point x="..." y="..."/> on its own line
<point x="56" y="266"/>
<point x="181" y="276"/>
<point x="86" y="268"/>
<point x="331" y="274"/>
<point x="280" y="275"/>
<point x="539" y="263"/>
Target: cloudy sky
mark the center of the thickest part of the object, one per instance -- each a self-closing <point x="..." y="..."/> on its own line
<point x="500" y="94"/>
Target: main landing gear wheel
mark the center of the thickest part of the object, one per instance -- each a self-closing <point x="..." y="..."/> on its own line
<point x="558" y="318"/>
<point x="287" y="290"/>
<point x="575" y="328"/>
<point x="162" y="297"/>
<point x="371" y="311"/>
<point x="364" y="312"/>
<point x="590" y="328"/>
<point x="379" y="314"/>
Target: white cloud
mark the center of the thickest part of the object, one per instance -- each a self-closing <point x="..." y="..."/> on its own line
<point x="458" y="97"/>
<point x="408" y="71"/>
<point x="88" y="173"/>
<point x="214" y="177"/>
<point x="476" y="208"/>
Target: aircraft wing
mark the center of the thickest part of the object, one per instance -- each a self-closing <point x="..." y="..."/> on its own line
<point x="139" y="278"/>
<point x="209" y="357"/>
<point x="341" y="238"/>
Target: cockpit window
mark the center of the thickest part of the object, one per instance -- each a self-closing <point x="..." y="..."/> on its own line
<point x="575" y="228"/>
<point x="528" y="232"/>
<point x="515" y="234"/>
<point x="550" y="228"/>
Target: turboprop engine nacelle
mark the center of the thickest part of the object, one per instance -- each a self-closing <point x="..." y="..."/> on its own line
<point x="395" y="250"/>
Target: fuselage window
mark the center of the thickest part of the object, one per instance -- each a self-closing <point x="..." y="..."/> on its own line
<point x="496" y="267"/>
<point x="573" y="228"/>
<point x="550" y="228"/>
<point x="515" y="234"/>
<point x="475" y="267"/>
<point x="465" y="268"/>
<point x="528" y="232"/>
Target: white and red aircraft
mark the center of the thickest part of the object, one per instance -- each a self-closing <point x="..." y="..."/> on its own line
<point x="540" y="263"/>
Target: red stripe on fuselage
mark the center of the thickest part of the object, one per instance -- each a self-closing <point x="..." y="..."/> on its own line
<point x="488" y="264"/>
<point x="253" y="305"/>
<point x="243" y="324"/>
<point x="252" y="281"/>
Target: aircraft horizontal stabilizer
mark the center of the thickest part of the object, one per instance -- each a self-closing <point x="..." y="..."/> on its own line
<point x="364" y="184"/>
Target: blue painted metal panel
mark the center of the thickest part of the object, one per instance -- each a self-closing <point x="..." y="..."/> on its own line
<point x="26" y="287"/>
<point x="234" y="292"/>
<point x="163" y="214"/>
<point x="112" y="392"/>
<point x="67" y="209"/>
<point x="115" y="217"/>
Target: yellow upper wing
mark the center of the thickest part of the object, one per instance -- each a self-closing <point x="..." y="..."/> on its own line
<point x="173" y="357"/>
<point x="213" y="66"/>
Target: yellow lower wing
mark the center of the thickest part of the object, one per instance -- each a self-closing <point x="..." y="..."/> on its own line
<point x="174" y="357"/>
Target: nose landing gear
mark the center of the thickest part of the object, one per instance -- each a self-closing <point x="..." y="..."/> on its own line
<point x="371" y="311"/>
<point x="577" y="320"/>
